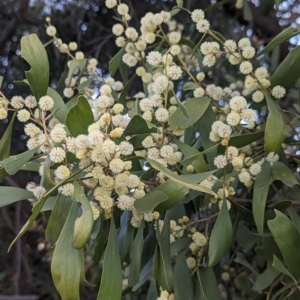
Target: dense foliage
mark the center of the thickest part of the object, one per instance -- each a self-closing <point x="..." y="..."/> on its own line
<point x="184" y="189"/>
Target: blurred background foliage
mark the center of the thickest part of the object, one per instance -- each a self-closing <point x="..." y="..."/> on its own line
<point x="25" y="270"/>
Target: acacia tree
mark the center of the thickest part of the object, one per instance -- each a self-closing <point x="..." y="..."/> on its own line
<point x="168" y="189"/>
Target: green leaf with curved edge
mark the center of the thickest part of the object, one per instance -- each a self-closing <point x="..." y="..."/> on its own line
<point x="16" y="162"/>
<point x="13" y="194"/>
<point x="147" y="203"/>
<point x="186" y="150"/>
<point x="46" y="180"/>
<point x="247" y="12"/>
<point x="39" y="205"/>
<point x="49" y="204"/>
<point x="242" y="140"/>
<point x="287" y="238"/>
<point x="204" y="127"/>
<point x="278" y="265"/>
<point x="294" y="217"/>
<point x="57" y="218"/>
<point x="221" y="236"/>
<point x="162" y="269"/>
<point x="114" y="63"/>
<point x="191" y="159"/>
<point x="283" y="36"/>
<point x="260" y="193"/>
<point x="79" y="117"/>
<point x="194" y="107"/>
<point x="207" y="286"/>
<point x="59" y="108"/>
<point x="284" y="174"/>
<point x="83" y="224"/>
<point x="5" y="144"/>
<point x="183" y="284"/>
<point x="138" y="125"/>
<point x="264" y="279"/>
<point x="101" y="240"/>
<point x="33" y="51"/>
<point x="85" y="84"/>
<point x="274" y="131"/>
<point x="136" y="256"/>
<point x="75" y="66"/>
<point x="288" y="71"/>
<point x="125" y="235"/>
<point x="242" y="260"/>
<point x="175" y="193"/>
<point x="6" y="139"/>
<point x="67" y="262"/>
<point x="180" y="105"/>
<point x="124" y="93"/>
<point x="158" y="166"/>
<point x="190" y="86"/>
<point x="146" y="273"/>
<point x="111" y="279"/>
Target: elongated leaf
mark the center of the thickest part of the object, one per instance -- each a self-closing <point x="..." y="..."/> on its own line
<point x="207" y="286"/>
<point x="84" y="224"/>
<point x="190" y="85"/>
<point x="79" y="117"/>
<point x="162" y="269"/>
<point x="6" y="140"/>
<point x="283" y="36"/>
<point x="147" y="203"/>
<point x="288" y="240"/>
<point x="145" y="274"/>
<point x="114" y="63"/>
<point x="125" y="90"/>
<point x="260" y="193"/>
<point x="278" y="265"/>
<point x="175" y="192"/>
<point x="194" y="107"/>
<point x="101" y="240"/>
<point x="16" y="162"/>
<point x="138" y="125"/>
<point x="186" y="150"/>
<point x="46" y="180"/>
<point x="67" y="262"/>
<point x="13" y="194"/>
<point x="204" y="127"/>
<point x="85" y="84"/>
<point x="5" y="143"/>
<point x="111" y="279"/>
<point x="221" y="236"/>
<point x="125" y="235"/>
<point x="242" y="140"/>
<point x="33" y="51"/>
<point x="284" y="173"/>
<point x="247" y="12"/>
<point x="288" y="72"/>
<point x="294" y="217"/>
<point x="274" y="131"/>
<point x="75" y="65"/>
<point x="264" y="279"/>
<point x="183" y="285"/>
<point x="242" y="260"/>
<point x="136" y="257"/>
<point x="58" y="218"/>
<point x="156" y="165"/>
<point x="59" y="108"/>
<point x="38" y="207"/>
